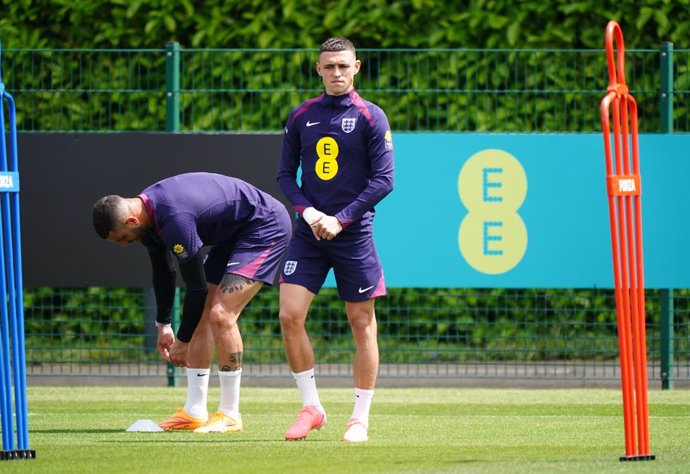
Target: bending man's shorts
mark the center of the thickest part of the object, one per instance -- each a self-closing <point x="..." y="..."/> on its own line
<point x="255" y="254"/>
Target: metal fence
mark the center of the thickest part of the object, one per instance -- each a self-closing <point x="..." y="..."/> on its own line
<point x="225" y="90"/>
<point x="438" y="334"/>
<point x="526" y="335"/>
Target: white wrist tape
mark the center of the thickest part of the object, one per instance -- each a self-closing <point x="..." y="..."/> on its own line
<point x="160" y="325"/>
<point x="310" y="215"/>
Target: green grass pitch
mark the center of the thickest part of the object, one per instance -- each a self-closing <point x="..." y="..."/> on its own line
<point x="413" y="430"/>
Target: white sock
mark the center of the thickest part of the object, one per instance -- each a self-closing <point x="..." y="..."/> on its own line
<point x="306" y="383"/>
<point x="230" y="392"/>
<point x="197" y="392"/>
<point x="362" y="404"/>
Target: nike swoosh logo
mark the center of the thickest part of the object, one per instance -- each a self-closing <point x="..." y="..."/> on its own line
<point x="311" y="124"/>
<point x="364" y="290"/>
<point x="232" y="263"/>
<point x="201" y="375"/>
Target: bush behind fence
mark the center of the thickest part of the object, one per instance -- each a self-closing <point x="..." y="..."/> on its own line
<point x="101" y="325"/>
<point x="253" y="90"/>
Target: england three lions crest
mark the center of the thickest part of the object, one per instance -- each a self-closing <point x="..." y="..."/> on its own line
<point x="290" y="267"/>
<point x="349" y="124"/>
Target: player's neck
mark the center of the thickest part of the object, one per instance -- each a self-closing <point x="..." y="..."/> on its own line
<point x="343" y="94"/>
<point x="138" y="209"/>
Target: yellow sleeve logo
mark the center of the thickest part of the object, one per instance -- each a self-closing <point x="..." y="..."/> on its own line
<point x="179" y="250"/>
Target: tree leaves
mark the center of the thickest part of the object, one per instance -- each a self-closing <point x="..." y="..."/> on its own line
<point x="371" y="24"/>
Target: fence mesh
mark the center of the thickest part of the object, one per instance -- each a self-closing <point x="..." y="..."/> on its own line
<point x="467" y="333"/>
<point x="253" y="90"/>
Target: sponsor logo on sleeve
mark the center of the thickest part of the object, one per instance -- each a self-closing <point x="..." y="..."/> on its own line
<point x="179" y="251"/>
<point x="388" y="139"/>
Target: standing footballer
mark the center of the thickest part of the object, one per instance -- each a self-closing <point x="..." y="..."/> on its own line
<point x="344" y="147"/>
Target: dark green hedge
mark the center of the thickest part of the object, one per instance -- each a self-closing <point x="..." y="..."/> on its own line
<point x="415" y="325"/>
<point x="371" y="24"/>
<point x="253" y="90"/>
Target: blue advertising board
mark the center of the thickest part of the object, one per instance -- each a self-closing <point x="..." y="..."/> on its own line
<point x="526" y="211"/>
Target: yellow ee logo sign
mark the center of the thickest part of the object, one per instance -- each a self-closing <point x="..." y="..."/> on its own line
<point x="492" y="186"/>
<point x="326" y="166"/>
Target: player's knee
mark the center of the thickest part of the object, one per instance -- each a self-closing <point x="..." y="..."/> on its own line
<point x="220" y="318"/>
<point x="289" y="320"/>
<point x="363" y="323"/>
<point x="286" y="318"/>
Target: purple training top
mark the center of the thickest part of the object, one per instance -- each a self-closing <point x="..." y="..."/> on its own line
<point x="345" y="149"/>
<point x="194" y="210"/>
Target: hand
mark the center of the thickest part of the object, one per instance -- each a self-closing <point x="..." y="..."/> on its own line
<point x="179" y="352"/>
<point x="166" y="338"/>
<point x="311" y="216"/>
<point x="314" y="229"/>
<point x="326" y="228"/>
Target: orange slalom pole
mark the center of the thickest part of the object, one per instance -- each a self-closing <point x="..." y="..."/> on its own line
<point x="639" y="332"/>
<point x="624" y="333"/>
<point x="625" y="215"/>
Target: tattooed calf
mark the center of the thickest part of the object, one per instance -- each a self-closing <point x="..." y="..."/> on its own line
<point x="235" y="362"/>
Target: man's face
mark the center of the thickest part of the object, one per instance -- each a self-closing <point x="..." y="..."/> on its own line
<point x="337" y="69"/>
<point x="127" y="233"/>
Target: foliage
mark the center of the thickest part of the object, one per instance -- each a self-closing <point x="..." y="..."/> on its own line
<point x="450" y="82"/>
<point x="254" y="90"/>
<point x="415" y="326"/>
<point x="371" y="24"/>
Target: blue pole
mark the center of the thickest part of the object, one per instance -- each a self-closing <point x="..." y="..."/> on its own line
<point x="11" y="296"/>
<point x="6" y="397"/>
<point x="18" y="345"/>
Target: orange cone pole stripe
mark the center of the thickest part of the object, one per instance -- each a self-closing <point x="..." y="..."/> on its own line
<point x="623" y="186"/>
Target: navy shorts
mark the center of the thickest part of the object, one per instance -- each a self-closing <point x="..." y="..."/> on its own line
<point x="352" y="255"/>
<point x="255" y="254"/>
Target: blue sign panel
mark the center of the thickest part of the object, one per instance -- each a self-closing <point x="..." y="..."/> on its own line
<point x="526" y="211"/>
<point x="9" y="181"/>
